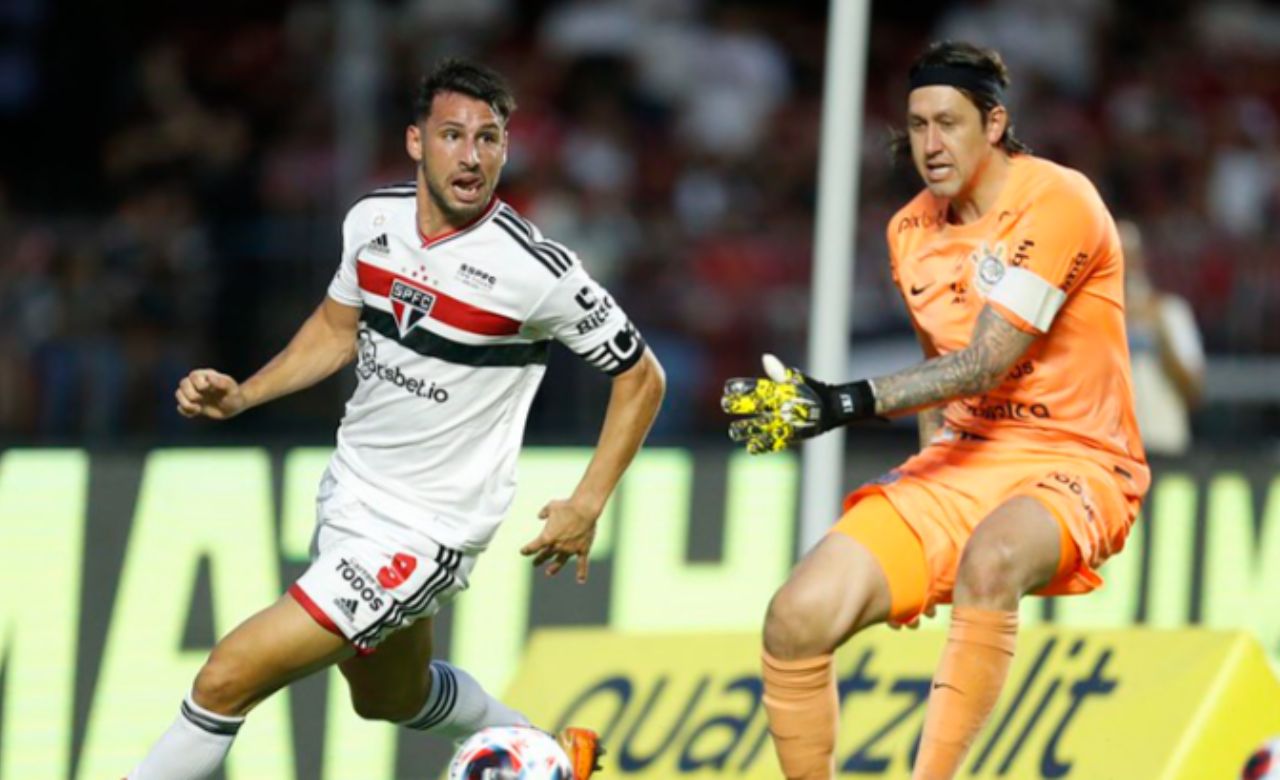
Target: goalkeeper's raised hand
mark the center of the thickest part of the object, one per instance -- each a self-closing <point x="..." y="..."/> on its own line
<point x="787" y="406"/>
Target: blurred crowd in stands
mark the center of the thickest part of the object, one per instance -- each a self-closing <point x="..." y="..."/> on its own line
<point x="174" y="176"/>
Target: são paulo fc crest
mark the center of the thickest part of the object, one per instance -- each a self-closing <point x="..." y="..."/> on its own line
<point x="409" y="305"/>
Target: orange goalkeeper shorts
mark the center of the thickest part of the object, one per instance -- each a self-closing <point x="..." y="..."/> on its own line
<point x="942" y="494"/>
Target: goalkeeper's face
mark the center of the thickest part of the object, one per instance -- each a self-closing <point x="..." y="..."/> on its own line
<point x="460" y="149"/>
<point x="950" y="143"/>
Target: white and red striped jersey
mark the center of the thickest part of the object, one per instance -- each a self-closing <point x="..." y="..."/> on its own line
<point x="453" y="341"/>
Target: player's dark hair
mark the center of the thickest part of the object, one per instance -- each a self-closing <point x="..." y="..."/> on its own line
<point x="986" y="65"/>
<point x="464" y="78"/>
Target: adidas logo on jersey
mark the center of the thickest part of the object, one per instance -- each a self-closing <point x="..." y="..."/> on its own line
<point x="379" y="245"/>
<point x="348" y="607"/>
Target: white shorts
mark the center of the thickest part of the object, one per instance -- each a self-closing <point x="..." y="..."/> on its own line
<point x="371" y="575"/>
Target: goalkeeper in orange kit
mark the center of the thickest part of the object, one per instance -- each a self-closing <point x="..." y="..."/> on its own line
<point x="1030" y="471"/>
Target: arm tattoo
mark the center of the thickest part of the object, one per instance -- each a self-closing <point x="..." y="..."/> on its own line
<point x="994" y="346"/>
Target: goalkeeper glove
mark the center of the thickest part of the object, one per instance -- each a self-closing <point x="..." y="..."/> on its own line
<point x="789" y="406"/>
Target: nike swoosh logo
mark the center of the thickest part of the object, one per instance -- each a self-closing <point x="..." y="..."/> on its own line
<point x="917" y="290"/>
<point x="938" y="685"/>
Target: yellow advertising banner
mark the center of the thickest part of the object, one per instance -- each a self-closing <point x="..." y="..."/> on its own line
<point x="1096" y="705"/>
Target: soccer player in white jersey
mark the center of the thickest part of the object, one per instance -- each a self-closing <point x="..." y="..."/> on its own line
<point x="447" y="301"/>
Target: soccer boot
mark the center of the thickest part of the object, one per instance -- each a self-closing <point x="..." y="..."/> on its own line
<point x="582" y="746"/>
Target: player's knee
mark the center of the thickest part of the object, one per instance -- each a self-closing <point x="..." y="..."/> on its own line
<point x="221" y="685"/>
<point x="987" y="572"/>
<point x="793" y="624"/>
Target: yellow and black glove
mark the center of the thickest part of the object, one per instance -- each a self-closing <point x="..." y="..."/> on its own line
<point x="787" y="406"/>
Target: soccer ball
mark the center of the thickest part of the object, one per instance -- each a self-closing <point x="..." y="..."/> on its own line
<point x="1264" y="764"/>
<point x="510" y="753"/>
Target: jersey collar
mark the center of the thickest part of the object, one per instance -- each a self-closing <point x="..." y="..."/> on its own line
<point x="431" y="241"/>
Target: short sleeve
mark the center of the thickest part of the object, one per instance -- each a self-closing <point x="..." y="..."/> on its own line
<point x="1053" y="250"/>
<point x="345" y="287"/>
<point x="581" y="314"/>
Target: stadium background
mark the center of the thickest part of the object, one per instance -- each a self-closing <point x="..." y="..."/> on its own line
<point x="171" y="186"/>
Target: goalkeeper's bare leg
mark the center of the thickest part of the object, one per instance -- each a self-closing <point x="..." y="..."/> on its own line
<point x="835" y="591"/>
<point x="844" y="585"/>
<point x="1016" y="549"/>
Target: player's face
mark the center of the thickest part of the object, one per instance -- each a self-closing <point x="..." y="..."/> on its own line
<point x="460" y="150"/>
<point x="950" y="145"/>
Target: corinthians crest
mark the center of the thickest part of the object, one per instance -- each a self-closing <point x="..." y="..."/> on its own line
<point x="409" y="305"/>
<point x="989" y="267"/>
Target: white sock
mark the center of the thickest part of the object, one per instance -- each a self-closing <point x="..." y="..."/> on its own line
<point x="458" y="707"/>
<point x="192" y="748"/>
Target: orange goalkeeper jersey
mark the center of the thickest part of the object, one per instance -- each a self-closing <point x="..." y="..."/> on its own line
<point x="1047" y="257"/>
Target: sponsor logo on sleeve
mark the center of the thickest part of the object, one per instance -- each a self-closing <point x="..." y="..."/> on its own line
<point x="586" y="299"/>
<point x="600" y="309"/>
<point x="1077" y="265"/>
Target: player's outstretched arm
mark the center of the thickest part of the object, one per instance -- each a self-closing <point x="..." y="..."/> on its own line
<point x="325" y="342"/>
<point x="996" y="344"/>
<point x="570" y="524"/>
<point x="789" y="406"/>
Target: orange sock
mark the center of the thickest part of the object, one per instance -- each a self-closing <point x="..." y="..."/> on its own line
<point x="973" y="669"/>
<point x="800" y="698"/>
